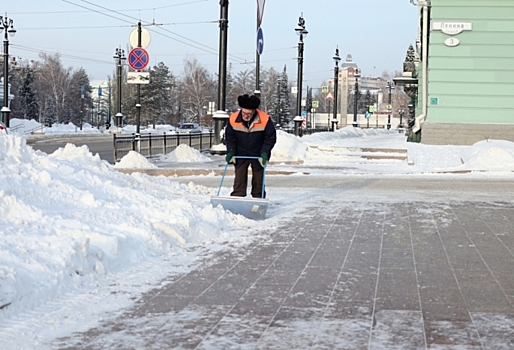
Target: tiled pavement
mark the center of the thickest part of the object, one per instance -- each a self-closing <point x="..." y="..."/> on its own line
<point x="408" y="275"/>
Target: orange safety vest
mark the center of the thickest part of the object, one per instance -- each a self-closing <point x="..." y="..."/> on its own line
<point x="258" y="123"/>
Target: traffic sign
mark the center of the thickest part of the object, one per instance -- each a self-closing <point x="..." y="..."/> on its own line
<point x="324" y="89"/>
<point x="145" y="38"/>
<point x="315" y="104"/>
<point x="304" y="113"/>
<point x="260" y="41"/>
<point x="138" y="58"/>
<point x="368" y="114"/>
<point x="389" y="107"/>
<point x="329" y="97"/>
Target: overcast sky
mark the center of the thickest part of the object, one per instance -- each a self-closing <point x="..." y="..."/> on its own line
<point x="86" y="33"/>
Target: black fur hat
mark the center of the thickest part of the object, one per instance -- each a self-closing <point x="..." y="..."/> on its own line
<point x="248" y="102"/>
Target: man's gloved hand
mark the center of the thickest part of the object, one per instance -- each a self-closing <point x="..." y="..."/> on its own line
<point x="263" y="159"/>
<point x="230" y="158"/>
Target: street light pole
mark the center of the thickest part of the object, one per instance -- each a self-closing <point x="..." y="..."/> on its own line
<point x="279" y="116"/>
<point x="221" y="116"/>
<point x="401" y="111"/>
<point x="301" y="31"/>
<point x="336" y="86"/>
<point x="356" y="96"/>
<point x="120" y="56"/>
<point x="7" y="24"/>
<point x="390" y="110"/>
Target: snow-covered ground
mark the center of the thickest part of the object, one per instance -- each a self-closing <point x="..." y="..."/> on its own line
<point x="71" y="224"/>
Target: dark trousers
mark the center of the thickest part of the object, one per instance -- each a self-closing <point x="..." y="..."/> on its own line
<point x="241" y="179"/>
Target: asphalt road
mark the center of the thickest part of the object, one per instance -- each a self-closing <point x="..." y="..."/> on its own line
<point x="101" y="144"/>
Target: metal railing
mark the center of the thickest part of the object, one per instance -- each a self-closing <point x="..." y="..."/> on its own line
<point x="152" y="145"/>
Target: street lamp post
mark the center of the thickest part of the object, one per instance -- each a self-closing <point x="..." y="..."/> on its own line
<point x="336" y="86"/>
<point x="7" y="24"/>
<point x="301" y="31"/>
<point x="221" y="116"/>
<point x="279" y="116"/>
<point x="401" y="111"/>
<point x="389" y="86"/>
<point x="356" y="96"/>
<point x="119" y="56"/>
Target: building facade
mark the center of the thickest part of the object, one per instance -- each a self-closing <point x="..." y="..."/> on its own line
<point x="465" y="72"/>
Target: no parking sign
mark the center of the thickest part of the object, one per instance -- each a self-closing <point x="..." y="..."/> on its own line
<point x="138" y="58"/>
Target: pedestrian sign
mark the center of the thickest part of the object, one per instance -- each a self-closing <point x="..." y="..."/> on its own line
<point x="315" y="104"/>
<point x="324" y="89"/>
<point x="368" y="114"/>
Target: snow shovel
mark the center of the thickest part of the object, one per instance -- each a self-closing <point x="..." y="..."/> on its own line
<point x="252" y="208"/>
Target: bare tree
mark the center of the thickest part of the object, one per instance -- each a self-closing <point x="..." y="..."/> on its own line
<point x="197" y="88"/>
<point x="55" y="82"/>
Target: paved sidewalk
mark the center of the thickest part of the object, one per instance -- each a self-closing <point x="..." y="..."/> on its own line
<point x="405" y="275"/>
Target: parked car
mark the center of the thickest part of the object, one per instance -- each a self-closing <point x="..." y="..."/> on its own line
<point x="189" y="128"/>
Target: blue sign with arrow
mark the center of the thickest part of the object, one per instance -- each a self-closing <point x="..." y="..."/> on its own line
<point x="260" y="41"/>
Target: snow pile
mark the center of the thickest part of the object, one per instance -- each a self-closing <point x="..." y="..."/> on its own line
<point x="288" y="148"/>
<point x="159" y="129"/>
<point x="134" y="160"/>
<point x="348" y="132"/>
<point x="24" y="126"/>
<point x="495" y="155"/>
<point x="185" y="154"/>
<point x="69" y="217"/>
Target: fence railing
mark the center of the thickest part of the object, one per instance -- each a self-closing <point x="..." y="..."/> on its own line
<point x="151" y="145"/>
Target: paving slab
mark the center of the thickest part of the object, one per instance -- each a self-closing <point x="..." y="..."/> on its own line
<point x="406" y="275"/>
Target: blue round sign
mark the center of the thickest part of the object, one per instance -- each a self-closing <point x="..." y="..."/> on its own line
<point x="260" y="41"/>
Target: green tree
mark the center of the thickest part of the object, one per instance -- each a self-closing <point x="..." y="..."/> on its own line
<point x="28" y="104"/>
<point x="74" y="100"/>
<point x="156" y="96"/>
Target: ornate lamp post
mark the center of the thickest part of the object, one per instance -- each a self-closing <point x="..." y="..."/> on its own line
<point x="221" y="116"/>
<point x="7" y="24"/>
<point x="389" y="107"/>
<point x="119" y="56"/>
<point x="356" y="96"/>
<point x="336" y="86"/>
<point x="301" y="31"/>
<point x="401" y="111"/>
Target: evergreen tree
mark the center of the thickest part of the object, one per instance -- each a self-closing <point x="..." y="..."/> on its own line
<point x="285" y="98"/>
<point x="49" y="114"/>
<point x="28" y="101"/>
<point x="156" y="96"/>
<point x="76" y="105"/>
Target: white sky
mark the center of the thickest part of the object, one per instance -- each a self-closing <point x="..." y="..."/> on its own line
<point x="86" y="33"/>
<point x="74" y="229"/>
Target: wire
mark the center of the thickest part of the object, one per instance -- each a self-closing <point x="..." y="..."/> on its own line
<point x="80" y="58"/>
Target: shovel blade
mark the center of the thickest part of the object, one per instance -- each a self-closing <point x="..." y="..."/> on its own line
<point x="252" y="208"/>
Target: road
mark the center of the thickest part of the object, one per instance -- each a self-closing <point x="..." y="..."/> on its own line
<point x="101" y="144"/>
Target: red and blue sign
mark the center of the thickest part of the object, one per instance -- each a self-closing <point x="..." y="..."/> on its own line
<point x="138" y="58"/>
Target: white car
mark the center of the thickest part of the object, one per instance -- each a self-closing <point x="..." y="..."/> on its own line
<point x="189" y="128"/>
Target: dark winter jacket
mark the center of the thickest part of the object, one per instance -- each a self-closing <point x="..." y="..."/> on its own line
<point x="253" y="139"/>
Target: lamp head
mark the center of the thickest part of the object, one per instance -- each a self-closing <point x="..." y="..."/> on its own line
<point x="300" y="28"/>
<point x="336" y="57"/>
